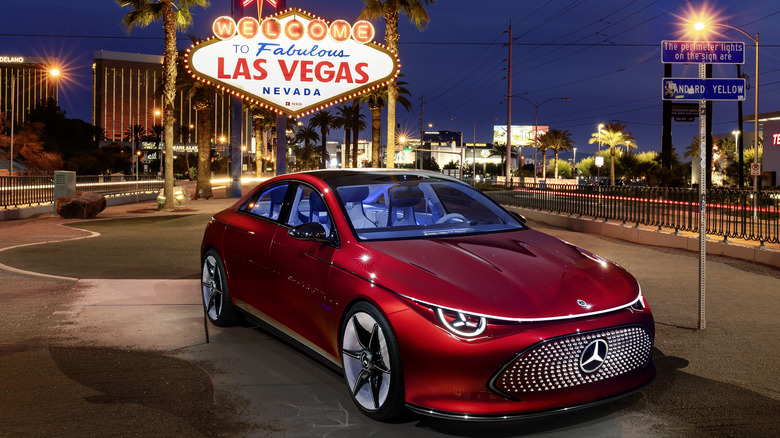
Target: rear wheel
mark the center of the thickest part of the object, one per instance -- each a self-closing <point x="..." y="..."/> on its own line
<point x="216" y="297"/>
<point x="372" y="363"/>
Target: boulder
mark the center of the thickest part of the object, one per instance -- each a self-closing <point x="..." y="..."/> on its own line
<point x="82" y="205"/>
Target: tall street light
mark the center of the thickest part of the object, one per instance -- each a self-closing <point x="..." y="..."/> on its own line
<point x="536" y="121"/>
<point x="154" y="120"/>
<point x="474" y="144"/>
<point x="700" y="26"/>
<point x="736" y="143"/>
<point x="598" y="166"/>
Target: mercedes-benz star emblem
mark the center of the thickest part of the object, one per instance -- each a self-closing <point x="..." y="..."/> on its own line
<point x="593" y="356"/>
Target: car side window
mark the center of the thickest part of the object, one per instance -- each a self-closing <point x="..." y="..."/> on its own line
<point x="308" y="206"/>
<point x="268" y="202"/>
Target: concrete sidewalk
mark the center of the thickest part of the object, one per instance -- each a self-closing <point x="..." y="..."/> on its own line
<point x="127" y="356"/>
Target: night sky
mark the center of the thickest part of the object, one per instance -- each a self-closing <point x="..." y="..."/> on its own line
<point x="604" y="55"/>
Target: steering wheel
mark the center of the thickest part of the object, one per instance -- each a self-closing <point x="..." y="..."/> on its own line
<point x="452" y="218"/>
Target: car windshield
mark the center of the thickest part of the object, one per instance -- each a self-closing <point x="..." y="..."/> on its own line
<point x="394" y="206"/>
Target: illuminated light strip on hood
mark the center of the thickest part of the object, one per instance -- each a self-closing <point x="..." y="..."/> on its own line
<point x="638" y="299"/>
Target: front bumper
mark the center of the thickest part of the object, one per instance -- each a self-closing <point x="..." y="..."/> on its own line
<point x="530" y="369"/>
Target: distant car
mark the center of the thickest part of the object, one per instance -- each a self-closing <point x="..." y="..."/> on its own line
<point x="428" y="295"/>
<point x="607" y="182"/>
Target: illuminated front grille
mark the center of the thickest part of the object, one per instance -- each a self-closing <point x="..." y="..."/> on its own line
<point x="555" y="363"/>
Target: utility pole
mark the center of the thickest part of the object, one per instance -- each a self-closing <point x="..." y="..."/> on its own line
<point x="740" y="144"/>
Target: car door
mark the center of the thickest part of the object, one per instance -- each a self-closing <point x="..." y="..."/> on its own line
<point x="247" y="241"/>
<point x="300" y="270"/>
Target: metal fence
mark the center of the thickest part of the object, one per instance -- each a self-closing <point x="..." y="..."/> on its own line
<point x="731" y="213"/>
<point x="21" y="191"/>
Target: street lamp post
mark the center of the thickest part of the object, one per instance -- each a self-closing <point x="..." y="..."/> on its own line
<point x="574" y="166"/>
<point x="701" y="26"/>
<point x="473" y="144"/>
<point x="536" y="122"/>
<point x="741" y="164"/>
<point x="598" y="168"/>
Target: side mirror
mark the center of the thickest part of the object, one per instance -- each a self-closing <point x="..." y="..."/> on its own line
<point x="313" y="231"/>
<point x="519" y="217"/>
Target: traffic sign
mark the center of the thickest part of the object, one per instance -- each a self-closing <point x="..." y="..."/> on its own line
<point x="755" y="169"/>
<point x="685" y="112"/>
<point x="708" y="52"/>
<point x="703" y="89"/>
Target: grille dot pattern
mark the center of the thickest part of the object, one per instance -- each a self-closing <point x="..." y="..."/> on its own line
<point x="555" y="365"/>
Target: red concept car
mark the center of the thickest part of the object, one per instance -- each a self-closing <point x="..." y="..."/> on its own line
<point x="428" y="295"/>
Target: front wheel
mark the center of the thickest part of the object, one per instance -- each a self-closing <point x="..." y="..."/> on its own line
<point x="372" y="363"/>
<point x="216" y="297"/>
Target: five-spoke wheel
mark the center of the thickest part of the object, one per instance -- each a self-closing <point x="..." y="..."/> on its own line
<point x="372" y="364"/>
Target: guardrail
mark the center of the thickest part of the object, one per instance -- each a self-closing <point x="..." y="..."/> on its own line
<point x="731" y="213"/>
<point x="21" y="191"/>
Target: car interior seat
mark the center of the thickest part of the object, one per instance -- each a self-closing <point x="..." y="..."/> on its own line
<point x="353" y="198"/>
<point x="402" y="202"/>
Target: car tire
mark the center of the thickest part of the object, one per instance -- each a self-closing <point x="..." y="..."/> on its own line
<point x="214" y="289"/>
<point x="372" y="363"/>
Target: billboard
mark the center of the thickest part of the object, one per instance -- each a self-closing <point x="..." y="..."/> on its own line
<point x="293" y="62"/>
<point x="771" y="150"/>
<point x="522" y="135"/>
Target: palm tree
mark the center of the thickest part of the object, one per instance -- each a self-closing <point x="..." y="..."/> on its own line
<point x="358" y="124"/>
<point x="376" y="102"/>
<point x="263" y="123"/>
<point x="202" y="97"/>
<point x="390" y="11"/>
<point x="323" y="120"/>
<point x="558" y="141"/>
<point x="693" y="150"/>
<point x="614" y="136"/>
<point x="175" y="15"/>
<point x="727" y="150"/>
<point x="306" y="156"/>
<point x="500" y="151"/>
<point x="345" y="119"/>
<point x="134" y="134"/>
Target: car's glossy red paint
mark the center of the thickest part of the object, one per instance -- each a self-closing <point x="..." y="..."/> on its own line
<point x="526" y="283"/>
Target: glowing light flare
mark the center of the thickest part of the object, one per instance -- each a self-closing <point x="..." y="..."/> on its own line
<point x="696" y="22"/>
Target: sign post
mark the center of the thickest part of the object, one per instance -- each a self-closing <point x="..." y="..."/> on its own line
<point x="702" y="89"/>
<point x="702" y="201"/>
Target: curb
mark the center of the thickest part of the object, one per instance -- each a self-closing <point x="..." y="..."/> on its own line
<point x="9" y="214"/>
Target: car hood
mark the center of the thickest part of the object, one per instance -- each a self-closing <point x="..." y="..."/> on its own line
<point x="516" y="275"/>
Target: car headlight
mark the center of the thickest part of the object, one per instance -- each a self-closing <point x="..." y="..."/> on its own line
<point x="461" y="323"/>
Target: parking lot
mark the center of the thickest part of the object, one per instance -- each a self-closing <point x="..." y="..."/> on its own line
<point x="110" y="341"/>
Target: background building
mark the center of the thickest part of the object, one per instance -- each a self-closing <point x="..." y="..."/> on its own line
<point x="35" y="80"/>
<point x="125" y="93"/>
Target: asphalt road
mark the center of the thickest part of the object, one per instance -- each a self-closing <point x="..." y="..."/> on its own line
<point x="117" y="347"/>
